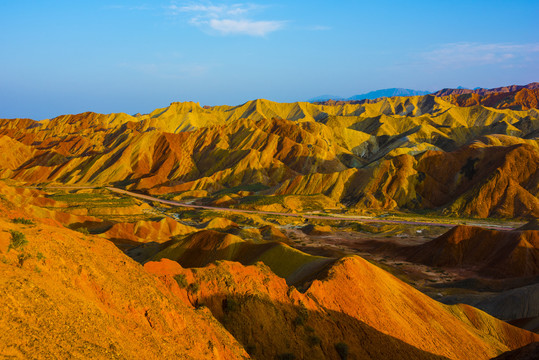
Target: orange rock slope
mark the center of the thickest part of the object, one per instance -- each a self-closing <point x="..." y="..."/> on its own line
<point x="67" y="295"/>
<point x="356" y="306"/>
<point x="420" y="152"/>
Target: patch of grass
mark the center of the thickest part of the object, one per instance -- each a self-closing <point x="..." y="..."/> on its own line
<point x="21" y="220"/>
<point x="263" y="200"/>
<point x="94" y="200"/>
<point x="83" y="230"/>
<point x="181" y="280"/>
<point x="40" y="256"/>
<point x="18" y="240"/>
<point x="248" y="187"/>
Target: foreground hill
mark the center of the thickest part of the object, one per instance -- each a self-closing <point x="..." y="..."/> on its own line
<point x="69" y="295"/>
<point x="89" y="295"/>
<point x="420" y="152"/>
<point x="356" y="308"/>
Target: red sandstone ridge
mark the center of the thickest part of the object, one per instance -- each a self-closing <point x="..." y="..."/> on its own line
<point x="496" y="253"/>
<point x="523" y="99"/>
<point x="481" y="91"/>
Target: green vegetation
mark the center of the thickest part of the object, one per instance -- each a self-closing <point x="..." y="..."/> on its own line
<point x="247" y="187"/>
<point x="193" y="288"/>
<point x="83" y="230"/>
<point x="94" y="199"/>
<point x="263" y="200"/>
<point x="40" y="256"/>
<point x="21" y="220"/>
<point x="18" y="240"/>
<point x="181" y="280"/>
<point x="342" y="350"/>
<point x="301" y="318"/>
<point x="22" y="257"/>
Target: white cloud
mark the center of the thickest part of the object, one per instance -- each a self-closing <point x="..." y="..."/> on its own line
<point x="471" y="54"/>
<point x="247" y="27"/>
<point x="227" y="19"/>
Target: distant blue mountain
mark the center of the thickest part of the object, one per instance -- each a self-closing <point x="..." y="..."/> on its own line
<point x="372" y="95"/>
<point x="388" y="93"/>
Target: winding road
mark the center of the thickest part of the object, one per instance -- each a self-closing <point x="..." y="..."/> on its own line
<point x="305" y="216"/>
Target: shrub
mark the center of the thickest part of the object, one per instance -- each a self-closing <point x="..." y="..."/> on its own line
<point x="83" y="230"/>
<point x="18" y="240"/>
<point x="22" y="258"/>
<point x="193" y="288"/>
<point x="21" y="220"/>
<point x="181" y="280"/>
<point x="302" y="317"/>
<point x="342" y="350"/>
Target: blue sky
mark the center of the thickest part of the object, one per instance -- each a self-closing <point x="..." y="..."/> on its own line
<point x="60" y="57"/>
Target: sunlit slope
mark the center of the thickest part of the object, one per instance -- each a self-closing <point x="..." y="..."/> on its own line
<point x="68" y="295"/>
<point x="207" y="246"/>
<point x="404" y="152"/>
<point x="357" y="304"/>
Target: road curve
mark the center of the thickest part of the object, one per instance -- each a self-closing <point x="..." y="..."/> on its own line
<point x="305" y="216"/>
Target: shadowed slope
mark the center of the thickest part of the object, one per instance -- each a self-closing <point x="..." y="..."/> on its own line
<point x="492" y="252"/>
<point x="375" y="314"/>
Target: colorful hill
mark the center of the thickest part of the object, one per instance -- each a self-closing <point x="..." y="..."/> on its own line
<point x="419" y="152"/>
<point x="491" y="252"/>
<point x="69" y="295"/>
<point x="356" y="308"/>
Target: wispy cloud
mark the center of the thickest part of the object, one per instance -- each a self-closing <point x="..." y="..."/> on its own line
<point x="472" y="54"/>
<point x="227" y="19"/>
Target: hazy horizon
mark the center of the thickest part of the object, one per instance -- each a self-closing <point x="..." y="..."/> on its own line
<point x="64" y="57"/>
